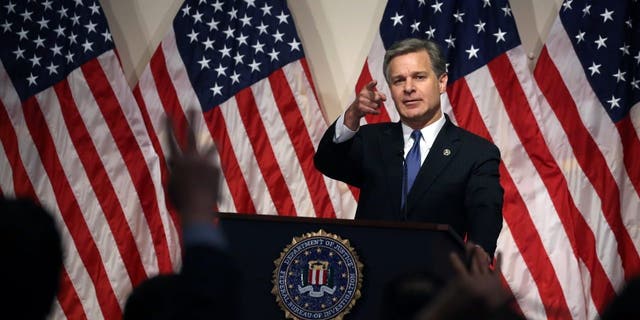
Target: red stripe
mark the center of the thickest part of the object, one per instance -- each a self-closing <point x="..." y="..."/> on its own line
<point x="102" y="186"/>
<point x="631" y="146"/>
<point x="168" y="95"/>
<point x="68" y="298"/>
<point x="297" y="130"/>
<point x="257" y="136"/>
<point x="70" y="210"/>
<point x="132" y="155"/>
<point x="591" y="161"/>
<point x="229" y="163"/>
<point x="514" y="210"/>
<point x="22" y="186"/>
<point x="155" y="142"/>
<point x="580" y="235"/>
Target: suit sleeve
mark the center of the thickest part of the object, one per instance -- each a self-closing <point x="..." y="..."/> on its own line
<point x="483" y="200"/>
<point x="340" y="161"/>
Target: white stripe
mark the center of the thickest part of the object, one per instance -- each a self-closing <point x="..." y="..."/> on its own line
<point x="124" y="95"/>
<point x="341" y="197"/>
<point x="56" y="311"/>
<point x="283" y="149"/>
<point x="634" y="115"/>
<point x="375" y="61"/>
<point x="517" y="275"/>
<point x="6" y="175"/>
<point x="246" y="159"/>
<point x="117" y="171"/>
<point x="529" y="185"/>
<point x="581" y="190"/>
<point x="42" y="187"/>
<point x="189" y="100"/>
<point x="597" y="121"/>
<point x="83" y="192"/>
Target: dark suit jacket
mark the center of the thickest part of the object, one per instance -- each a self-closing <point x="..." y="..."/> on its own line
<point x="458" y="183"/>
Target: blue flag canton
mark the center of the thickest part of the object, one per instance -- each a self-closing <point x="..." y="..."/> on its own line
<point x="44" y="41"/>
<point x="606" y="39"/>
<point x="471" y="33"/>
<point x="229" y="45"/>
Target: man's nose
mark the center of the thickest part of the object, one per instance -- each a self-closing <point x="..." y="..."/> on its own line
<point x="408" y="86"/>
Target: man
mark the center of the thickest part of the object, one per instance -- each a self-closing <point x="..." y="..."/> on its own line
<point x="450" y="176"/>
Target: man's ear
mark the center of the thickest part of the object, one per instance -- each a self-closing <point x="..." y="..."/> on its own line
<point x="442" y="82"/>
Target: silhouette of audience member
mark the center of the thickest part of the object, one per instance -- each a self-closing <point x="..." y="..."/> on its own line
<point x="626" y="304"/>
<point x="206" y="287"/>
<point x="32" y="259"/>
<point x="475" y="293"/>
<point x="406" y="295"/>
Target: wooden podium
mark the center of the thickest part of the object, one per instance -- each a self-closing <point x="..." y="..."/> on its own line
<point x="386" y="249"/>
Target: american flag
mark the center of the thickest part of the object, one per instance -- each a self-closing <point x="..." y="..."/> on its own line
<point x="72" y="137"/>
<point x="570" y="235"/>
<point x="241" y="64"/>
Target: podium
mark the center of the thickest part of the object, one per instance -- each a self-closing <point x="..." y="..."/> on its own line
<point x="387" y="250"/>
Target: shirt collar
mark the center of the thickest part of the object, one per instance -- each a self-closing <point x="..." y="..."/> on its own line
<point x="429" y="133"/>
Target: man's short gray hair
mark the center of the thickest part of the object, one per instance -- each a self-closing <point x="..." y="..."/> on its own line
<point x="410" y="45"/>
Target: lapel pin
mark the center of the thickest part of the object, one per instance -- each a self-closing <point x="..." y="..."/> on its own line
<point x="446" y="152"/>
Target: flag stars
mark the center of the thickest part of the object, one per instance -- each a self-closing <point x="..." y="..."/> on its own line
<point x="238" y="58"/>
<point x="26" y="15"/>
<point x="185" y="10"/>
<point x="217" y="6"/>
<point x="506" y="10"/>
<point x="637" y="57"/>
<point x="421" y="3"/>
<point x="415" y="26"/>
<point x="486" y="3"/>
<point x="634" y="84"/>
<point x="226" y="52"/>
<point x="278" y="36"/>
<point x="595" y="68"/>
<point x="197" y="17"/>
<point x="295" y="45"/>
<point x="619" y="76"/>
<point x="10" y="7"/>
<point x="216" y="89"/>
<point x="458" y="16"/>
<point x="208" y="44"/>
<point x="282" y="18"/>
<point x="72" y="38"/>
<point x="266" y="10"/>
<point x="601" y="42"/>
<point x="6" y="26"/>
<point x="95" y="9"/>
<point x="274" y="54"/>
<point x="56" y="50"/>
<point x="473" y="52"/>
<point x="22" y="34"/>
<point x="625" y="49"/>
<point x="567" y="5"/>
<point x="53" y="69"/>
<point x="255" y="66"/>
<point x="397" y="19"/>
<point x="213" y="24"/>
<point x="613" y="102"/>
<point x="39" y="42"/>
<point x="586" y="10"/>
<point x="69" y="57"/>
<point x="63" y="12"/>
<point x="235" y="77"/>
<point x="87" y="45"/>
<point x="437" y="7"/>
<point x="19" y="53"/>
<point x="220" y="70"/>
<point x="246" y="20"/>
<point x="450" y="41"/>
<point x="250" y="3"/>
<point x="59" y="31"/>
<point x="430" y="33"/>
<point x="262" y="28"/>
<point x="91" y="27"/>
<point x="258" y="47"/>
<point x="242" y="39"/>
<point x="35" y="61"/>
<point x="233" y="14"/>
<point x="480" y="26"/>
<point x="32" y="79"/>
<point x="629" y="23"/>
<point x="606" y="15"/>
<point x="44" y="24"/>
<point x="580" y="36"/>
<point x="193" y="36"/>
<point x="500" y="35"/>
<point x="204" y="63"/>
<point x="229" y="32"/>
<point x="75" y="19"/>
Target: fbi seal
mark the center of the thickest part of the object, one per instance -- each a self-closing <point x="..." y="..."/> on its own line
<point x="318" y="276"/>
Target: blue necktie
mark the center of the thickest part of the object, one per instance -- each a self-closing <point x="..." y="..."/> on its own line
<point x="412" y="165"/>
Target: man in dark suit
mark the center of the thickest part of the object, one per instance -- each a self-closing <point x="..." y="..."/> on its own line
<point x="423" y="168"/>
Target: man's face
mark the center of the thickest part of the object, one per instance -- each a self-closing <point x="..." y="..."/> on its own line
<point x="416" y="89"/>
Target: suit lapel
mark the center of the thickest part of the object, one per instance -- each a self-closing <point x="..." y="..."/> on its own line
<point x="392" y="146"/>
<point x="442" y="152"/>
